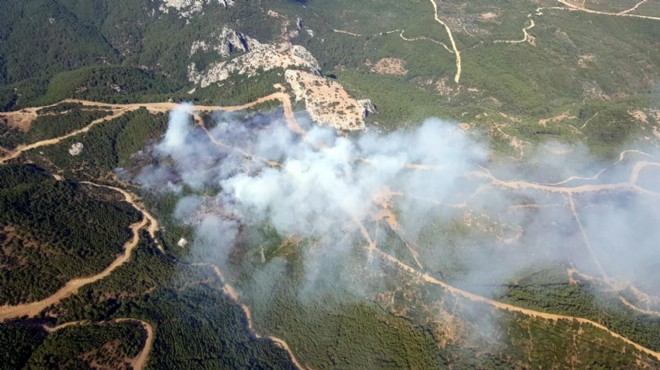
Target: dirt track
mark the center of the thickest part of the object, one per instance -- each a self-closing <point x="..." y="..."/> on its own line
<point x="625" y="13"/>
<point x="24" y="148"/>
<point x="31" y="309"/>
<point x="585" y="238"/>
<point x="640" y="310"/>
<point x="141" y="359"/>
<point x="633" y="8"/>
<point x="630" y="185"/>
<point x="457" y="77"/>
<point x="526" y="36"/>
<point x="163" y="107"/>
<point x="121" y="109"/>
<point x="229" y="291"/>
<point x="72" y="286"/>
<point x="499" y="305"/>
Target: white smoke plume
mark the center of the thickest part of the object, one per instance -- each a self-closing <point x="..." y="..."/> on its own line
<point x="434" y="176"/>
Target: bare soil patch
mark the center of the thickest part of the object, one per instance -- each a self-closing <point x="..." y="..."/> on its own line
<point x="558" y="118"/>
<point x="21" y="120"/>
<point x="389" y="66"/>
<point x="326" y="101"/>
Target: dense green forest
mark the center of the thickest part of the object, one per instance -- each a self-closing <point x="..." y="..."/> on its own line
<point x="18" y="342"/>
<point x="51" y="124"/>
<point x="80" y="346"/>
<point x="114" y="51"/>
<point x="362" y="313"/>
<point x="52" y="231"/>
<point x="197" y="325"/>
<point x="110" y="84"/>
<point x="549" y="290"/>
<point x="118" y="52"/>
<point x="107" y="147"/>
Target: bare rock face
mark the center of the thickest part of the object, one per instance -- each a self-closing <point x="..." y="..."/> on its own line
<point x="255" y="57"/>
<point x="231" y="41"/>
<point x="187" y="8"/>
<point x="76" y="149"/>
<point x="226" y="43"/>
<point x="368" y="106"/>
<point x="327" y="102"/>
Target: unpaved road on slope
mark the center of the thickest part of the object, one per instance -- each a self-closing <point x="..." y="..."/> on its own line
<point x="72" y="286"/>
<point x="164" y="107"/>
<point x="630" y="185"/>
<point x="34" y="308"/>
<point x="640" y="310"/>
<point x="120" y="109"/>
<point x="526" y="36"/>
<point x="152" y="224"/>
<point x="231" y="293"/>
<point x="625" y="13"/>
<point x="457" y="77"/>
<point x="24" y="148"/>
<point x="583" y="232"/>
<point x="633" y="8"/>
<point x="499" y="305"/>
<point x="140" y="360"/>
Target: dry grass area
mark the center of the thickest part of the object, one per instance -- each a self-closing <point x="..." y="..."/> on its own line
<point x="443" y="87"/>
<point x="586" y="60"/>
<point x="326" y="101"/>
<point x="490" y="16"/>
<point x="10" y="241"/>
<point x="21" y="120"/>
<point x="558" y="118"/>
<point x="108" y="357"/>
<point x="648" y="116"/>
<point x="389" y="66"/>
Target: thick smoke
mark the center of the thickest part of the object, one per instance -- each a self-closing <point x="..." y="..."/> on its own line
<point x="439" y="184"/>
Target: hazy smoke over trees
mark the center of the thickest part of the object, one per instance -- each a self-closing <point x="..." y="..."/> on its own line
<point x="467" y="219"/>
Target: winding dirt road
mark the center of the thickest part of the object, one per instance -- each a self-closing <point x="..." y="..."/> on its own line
<point x="421" y="38"/>
<point x="164" y="107"/>
<point x="630" y="185"/>
<point x="140" y="360"/>
<point x="499" y="305"/>
<point x="152" y="224"/>
<point x="640" y="310"/>
<point x="633" y="8"/>
<point x="583" y="233"/>
<point x="32" y="309"/>
<point x="231" y="293"/>
<point x="526" y="36"/>
<point x="625" y="13"/>
<point x="121" y="109"/>
<point x="24" y="148"/>
<point x="457" y="77"/>
<point x="72" y="286"/>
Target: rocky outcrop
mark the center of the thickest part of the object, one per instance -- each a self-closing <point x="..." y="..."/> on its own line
<point x="369" y="107"/>
<point x="327" y="102"/>
<point x="226" y="43"/>
<point x="187" y="8"/>
<point x="255" y="57"/>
